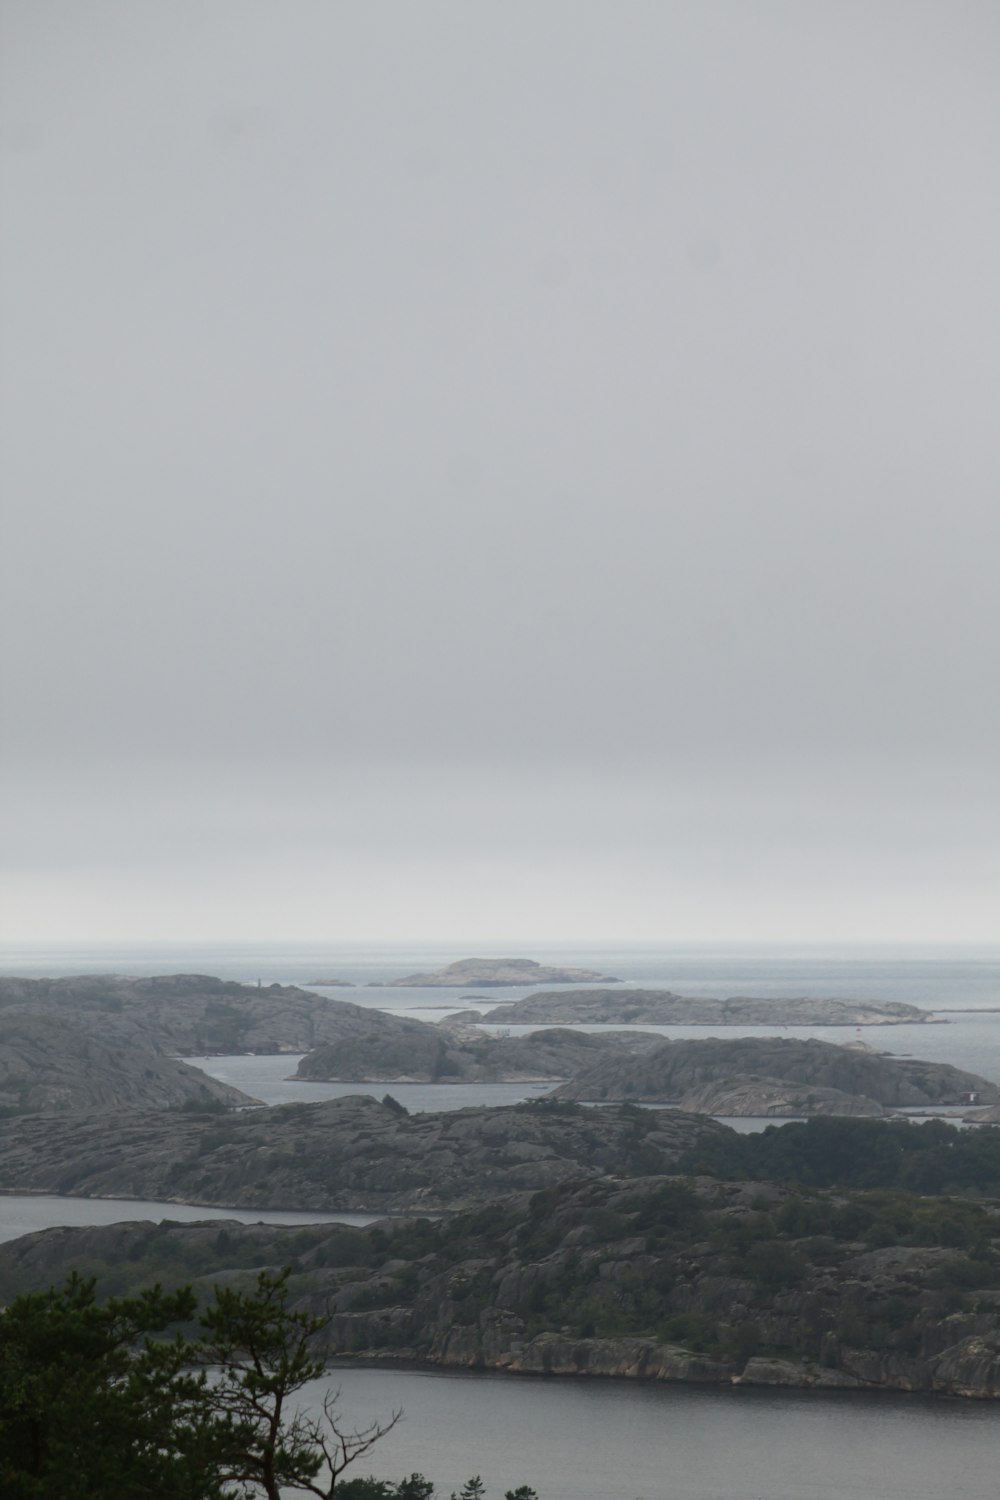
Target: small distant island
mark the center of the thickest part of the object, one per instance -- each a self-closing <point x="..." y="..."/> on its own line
<point x="330" y="984"/>
<point x="663" y="1008"/>
<point x="493" y="973"/>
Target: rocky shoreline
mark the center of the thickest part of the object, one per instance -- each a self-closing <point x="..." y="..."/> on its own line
<point x="650" y="1278"/>
<point x="970" y="1369"/>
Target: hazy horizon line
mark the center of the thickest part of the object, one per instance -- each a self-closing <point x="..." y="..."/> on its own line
<point x="465" y="944"/>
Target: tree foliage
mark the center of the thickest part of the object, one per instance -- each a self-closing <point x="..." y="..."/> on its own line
<point x="116" y="1401"/>
<point x="94" y="1405"/>
<point x="932" y="1158"/>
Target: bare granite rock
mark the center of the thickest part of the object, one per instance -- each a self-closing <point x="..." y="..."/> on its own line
<point x="759" y="1097"/>
<point x="352" y="1154"/>
<point x="983" y="1116"/>
<point x="195" y="1015"/>
<point x="49" y="1063"/>
<point x="747" y="1070"/>
<point x="663" y="1008"/>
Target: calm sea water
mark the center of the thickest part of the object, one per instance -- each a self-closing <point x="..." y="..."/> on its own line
<point x="24" y="1213"/>
<point x="579" y="1439"/>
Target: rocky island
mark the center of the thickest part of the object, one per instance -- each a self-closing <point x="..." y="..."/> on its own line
<point x="48" y="1062"/>
<point x="663" y="1008"/>
<point x="195" y="1015"/>
<point x="777" y="1076"/>
<point x="449" y="1054"/>
<point x="494" y="973"/>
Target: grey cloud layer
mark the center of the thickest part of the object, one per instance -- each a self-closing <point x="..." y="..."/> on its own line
<point x="597" y="398"/>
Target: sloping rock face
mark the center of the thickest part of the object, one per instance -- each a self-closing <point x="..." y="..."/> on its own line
<point x="663" y="1008"/>
<point x="491" y="973"/>
<point x="970" y="1367"/>
<point x="680" y="1071"/>
<point x="984" y="1116"/>
<point x="760" y="1097"/>
<point x="444" y="1054"/>
<point x="351" y="1154"/>
<point x="654" y="1278"/>
<point x="49" y="1064"/>
<point x="194" y="1015"/>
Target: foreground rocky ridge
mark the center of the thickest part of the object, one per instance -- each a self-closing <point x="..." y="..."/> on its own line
<point x="777" y="1076"/>
<point x="354" y="1154"/>
<point x="663" y="1008"/>
<point x="658" y="1277"/>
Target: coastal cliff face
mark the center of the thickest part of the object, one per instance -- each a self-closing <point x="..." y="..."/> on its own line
<point x="760" y="1073"/>
<point x="656" y="1278"/>
<point x="353" y="1154"/>
<point x="47" y="1063"/>
<point x="663" y="1008"/>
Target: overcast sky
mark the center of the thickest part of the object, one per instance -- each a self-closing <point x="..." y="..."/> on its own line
<point x="500" y="470"/>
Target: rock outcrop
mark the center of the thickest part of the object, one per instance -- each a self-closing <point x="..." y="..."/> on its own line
<point x="983" y="1116"/>
<point x="492" y="973"/>
<point x="754" y="1074"/>
<point x="758" y="1098"/>
<point x="48" y="1063"/>
<point x="450" y="1053"/>
<point x="351" y="1154"/>
<point x="194" y="1015"/>
<point x="663" y="1008"/>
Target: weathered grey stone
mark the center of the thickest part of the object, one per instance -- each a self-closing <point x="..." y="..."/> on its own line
<point x="716" y="1068"/>
<point x="663" y="1008"/>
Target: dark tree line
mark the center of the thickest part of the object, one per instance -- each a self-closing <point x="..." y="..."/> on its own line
<point x="858" y="1153"/>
